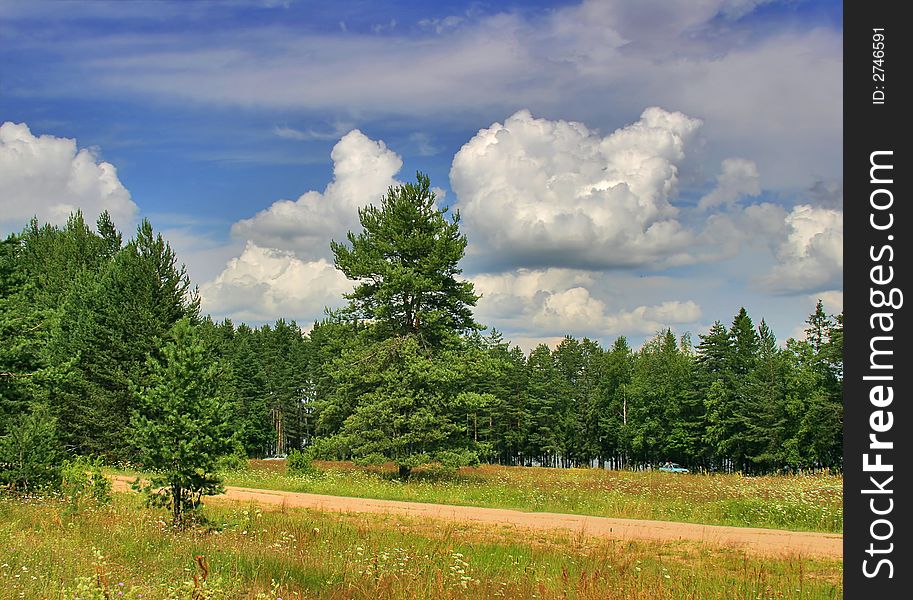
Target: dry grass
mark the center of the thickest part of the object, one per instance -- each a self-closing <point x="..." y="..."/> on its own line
<point x="127" y="551"/>
<point x="795" y="502"/>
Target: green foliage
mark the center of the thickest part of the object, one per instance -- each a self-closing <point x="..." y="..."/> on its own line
<point x="301" y="462"/>
<point x="328" y="448"/>
<point x="404" y="397"/>
<point x="405" y="265"/>
<point x="403" y="373"/>
<point x="235" y="460"/>
<point x="180" y="428"/>
<point x="373" y="459"/>
<point x="30" y="454"/>
<point x="454" y="459"/>
<point x="84" y="483"/>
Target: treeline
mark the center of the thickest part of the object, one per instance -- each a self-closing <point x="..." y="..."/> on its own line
<point x="83" y="315"/>
<point x="735" y="401"/>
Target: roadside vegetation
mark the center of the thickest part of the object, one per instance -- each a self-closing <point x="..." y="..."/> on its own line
<point x="812" y="502"/>
<point x="124" y="550"/>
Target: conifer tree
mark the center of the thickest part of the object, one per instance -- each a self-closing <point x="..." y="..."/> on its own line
<point x="180" y="426"/>
<point x="405" y="264"/>
<point x="396" y="395"/>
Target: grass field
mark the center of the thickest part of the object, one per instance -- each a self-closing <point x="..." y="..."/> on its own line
<point x="127" y="551"/>
<point x="801" y="502"/>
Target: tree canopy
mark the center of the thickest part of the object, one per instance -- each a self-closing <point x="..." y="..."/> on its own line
<point x="181" y="427"/>
<point x="403" y="374"/>
<point x="405" y="262"/>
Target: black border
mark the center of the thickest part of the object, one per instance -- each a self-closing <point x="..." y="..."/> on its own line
<point x="870" y="127"/>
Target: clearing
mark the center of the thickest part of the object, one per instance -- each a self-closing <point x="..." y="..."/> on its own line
<point x="769" y="542"/>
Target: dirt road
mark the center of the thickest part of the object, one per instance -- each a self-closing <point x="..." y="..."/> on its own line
<point x="771" y="542"/>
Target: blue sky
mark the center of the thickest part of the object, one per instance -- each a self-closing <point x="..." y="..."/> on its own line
<point x="620" y="166"/>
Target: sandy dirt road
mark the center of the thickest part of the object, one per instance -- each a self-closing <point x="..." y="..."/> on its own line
<point x="769" y="542"/>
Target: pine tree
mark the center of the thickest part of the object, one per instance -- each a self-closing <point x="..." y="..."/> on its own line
<point x="396" y="395"/>
<point x="613" y="392"/>
<point x="405" y="265"/>
<point x="180" y="426"/>
<point x="763" y="413"/>
<point x="249" y="409"/>
<point x="111" y="322"/>
<point x="30" y="454"/>
<point x="22" y="329"/>
<point x="658" y="416"/>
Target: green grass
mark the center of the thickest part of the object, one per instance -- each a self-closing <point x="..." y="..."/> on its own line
<point x="800" y="502"/>
<point x="128" y="551"/>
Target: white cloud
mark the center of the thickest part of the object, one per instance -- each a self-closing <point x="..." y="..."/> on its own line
<point x="263" y="284"/>
<point x="286" y="268"/>
<point x="810" y="257"/>
<point x="311" y="134"/>
<point x="547" y="303"/>
<point x="535" y="192"/>
<point x="738" y="178"/>
<point x="440" y="26"/>
<point x="49" y="177"/>
<point x="596" y="61"/>
<point x="363" y="170"/>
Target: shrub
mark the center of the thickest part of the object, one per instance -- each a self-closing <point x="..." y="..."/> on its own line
<point x="82" y="481"/>
<point x="454" y="459"/>
<point x="300" y="463"/>
<point x="371" y="460"/>
<point x="236" y="461"/>
<point x="328" y="448"/>
<point x="30" y="454"/>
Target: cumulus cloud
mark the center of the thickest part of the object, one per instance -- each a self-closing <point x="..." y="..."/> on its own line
<point x="810" y="256"/>
<point x="827" y="193"/>
<point x="49" y="177"/>
<point x="555" y="302"/>
<point x="738" y="178"/>
<point x="539" y="193"/>
<point x="286" y="267"/>
<point x="576" y="310"/>
<point x="363" y="169"/>
<point x="263" y="284"/>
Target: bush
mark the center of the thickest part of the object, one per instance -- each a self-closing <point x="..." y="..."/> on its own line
<point x="328" y="448"/>
<point x="371" y="460"/>
<point x="236" y="461"/>
<point x="30" y="454"/>
<point x="485" y="452"/>
<point x="300" y="463"/>
<point x="82" y="481"/>
<point x="454" y="459"/>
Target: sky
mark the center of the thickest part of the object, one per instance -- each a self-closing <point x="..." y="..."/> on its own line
<point x="619" y="167"/>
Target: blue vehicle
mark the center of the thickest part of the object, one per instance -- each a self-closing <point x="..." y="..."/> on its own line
<point x="671" y="467"/>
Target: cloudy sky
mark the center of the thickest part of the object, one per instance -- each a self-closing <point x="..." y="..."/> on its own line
<point x="619" y="166"/>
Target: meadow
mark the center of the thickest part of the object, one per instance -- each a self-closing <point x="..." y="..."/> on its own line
<point x="811" y="502"/>
<point x="124" y="550"/>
